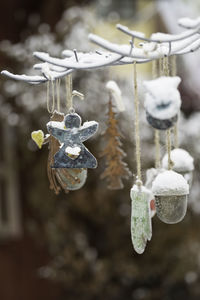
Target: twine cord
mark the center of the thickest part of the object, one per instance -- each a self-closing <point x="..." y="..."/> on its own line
<point x="157" y="146"/>
<point x="137" y="129"/>
<point x="168" y="143"/>
<point x="50" y="110"/>
<point x="173" y="73"/>
<point x="69" y="98"/>
<point x="58" y="94"/>
<point x="155" y="71"/>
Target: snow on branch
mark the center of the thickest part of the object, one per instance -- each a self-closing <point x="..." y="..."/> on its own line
<point x="157" y="46"/>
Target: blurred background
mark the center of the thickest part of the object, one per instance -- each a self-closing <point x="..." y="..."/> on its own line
<point x="77" y="245"/>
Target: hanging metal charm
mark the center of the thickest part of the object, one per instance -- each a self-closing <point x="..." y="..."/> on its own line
<point x="141" y="228"/>
<point x="171" y="192"/>
<point x="71" y="135"/>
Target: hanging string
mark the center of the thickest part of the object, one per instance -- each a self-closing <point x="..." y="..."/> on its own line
<point x="155" y="71"/>
<point x="168" y="143"/>
<point x="50" y="110"/>
<point x="168" y="132"/>
<point x="58" y="94"/>
<point x="157" y="145"/>
<point x="161" y="66"/>
<point x="166" y="66"/>
<point x="173" y="65"/>
<point x="69" y="98"/>
<point x="173" y="73"/>
<point x="137" y="129"/>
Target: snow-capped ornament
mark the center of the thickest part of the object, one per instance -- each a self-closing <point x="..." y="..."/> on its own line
<point x="183" y="163"/>
<point x="162" y="102"/>
<point x="171" y="192"/>
<point x="71" y="135"/>
<point x="141" y="228"/>
<point x="67" y="179"/>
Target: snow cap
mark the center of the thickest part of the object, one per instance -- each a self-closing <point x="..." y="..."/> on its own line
<point x="162" y="100"/>
<point x="116" y="92"/>
<point x="170" y="183"/>
<point x="183" y="161"/>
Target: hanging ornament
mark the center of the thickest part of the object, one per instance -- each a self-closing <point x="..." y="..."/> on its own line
<point x="171" y="192"/>
<point x="141" y="197"/>
<point x="162" y="102"/>
<point x="67" y="179"/>
<point x="116" y="169"/>
<point x="183" y="163"/>
<point x="151" y="174"/>
<point x="71" y="135"/>
<point x="141" y="229"/>
<point x="38" y="138"/>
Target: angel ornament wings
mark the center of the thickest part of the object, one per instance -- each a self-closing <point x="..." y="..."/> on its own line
<point x="71" y="135"/>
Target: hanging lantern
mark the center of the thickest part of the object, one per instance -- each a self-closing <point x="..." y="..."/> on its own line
<point x="171" y="192"/>
<point x="162" y="102"/>
<point x="183" y="163"/>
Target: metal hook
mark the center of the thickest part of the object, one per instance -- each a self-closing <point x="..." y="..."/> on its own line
<point x="75" y="53"/>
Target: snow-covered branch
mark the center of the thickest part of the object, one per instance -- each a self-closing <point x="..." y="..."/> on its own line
<point x="157" y="46"/>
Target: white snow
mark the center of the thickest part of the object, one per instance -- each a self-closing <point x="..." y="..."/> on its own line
<point x="89" y="123"/>
<point x="116" y="92"/>
<point x="143" y="189"/>
<point x="183" y="161"/>
<point x="162" y="92"/>
<point x="147" y="47"/>
<point x="60" y="125"/>
<point x="189" y="23"/>
<point x="73" y="150"/>
<point x="170" y="183"/>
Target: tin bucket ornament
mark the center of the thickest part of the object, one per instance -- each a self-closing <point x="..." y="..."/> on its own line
<point x="162" y="102"/>
<point x="171" y="192"/>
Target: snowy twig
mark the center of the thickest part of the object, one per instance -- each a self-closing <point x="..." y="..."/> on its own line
<point x="157" y="46"/>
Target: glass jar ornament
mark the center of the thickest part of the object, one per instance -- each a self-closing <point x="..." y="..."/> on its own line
<point x="183" y="163"/>
<point x="171" y="192"/>
<point x="162" y="102"/>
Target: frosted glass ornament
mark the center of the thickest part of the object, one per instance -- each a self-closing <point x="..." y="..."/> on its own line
<point x="162" y="102"/>
<point x="141" y="228"/>
<point x="183" y="163"/>
<point x="171" y="192"/>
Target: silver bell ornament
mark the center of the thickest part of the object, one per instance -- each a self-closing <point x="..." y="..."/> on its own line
<point x="171" y="192"/>
<point x="162" y="102"/>
<point x="183" y="163"/>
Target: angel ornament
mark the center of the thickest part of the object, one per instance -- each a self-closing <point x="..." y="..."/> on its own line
<point x="71" y="135"/>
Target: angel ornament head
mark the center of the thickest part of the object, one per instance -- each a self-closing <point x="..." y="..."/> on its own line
<point x="162" y="102"/>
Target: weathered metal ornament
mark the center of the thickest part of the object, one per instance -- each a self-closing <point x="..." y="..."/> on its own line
<point x="171" y="192"/>
<point x="162" y="102"/>
<point x="71" y="135"/>
<point x="73" y="179"/>
<point x="161" y="124"/>
<point x="183" y="163"/>
<point x="141" y="228"/>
